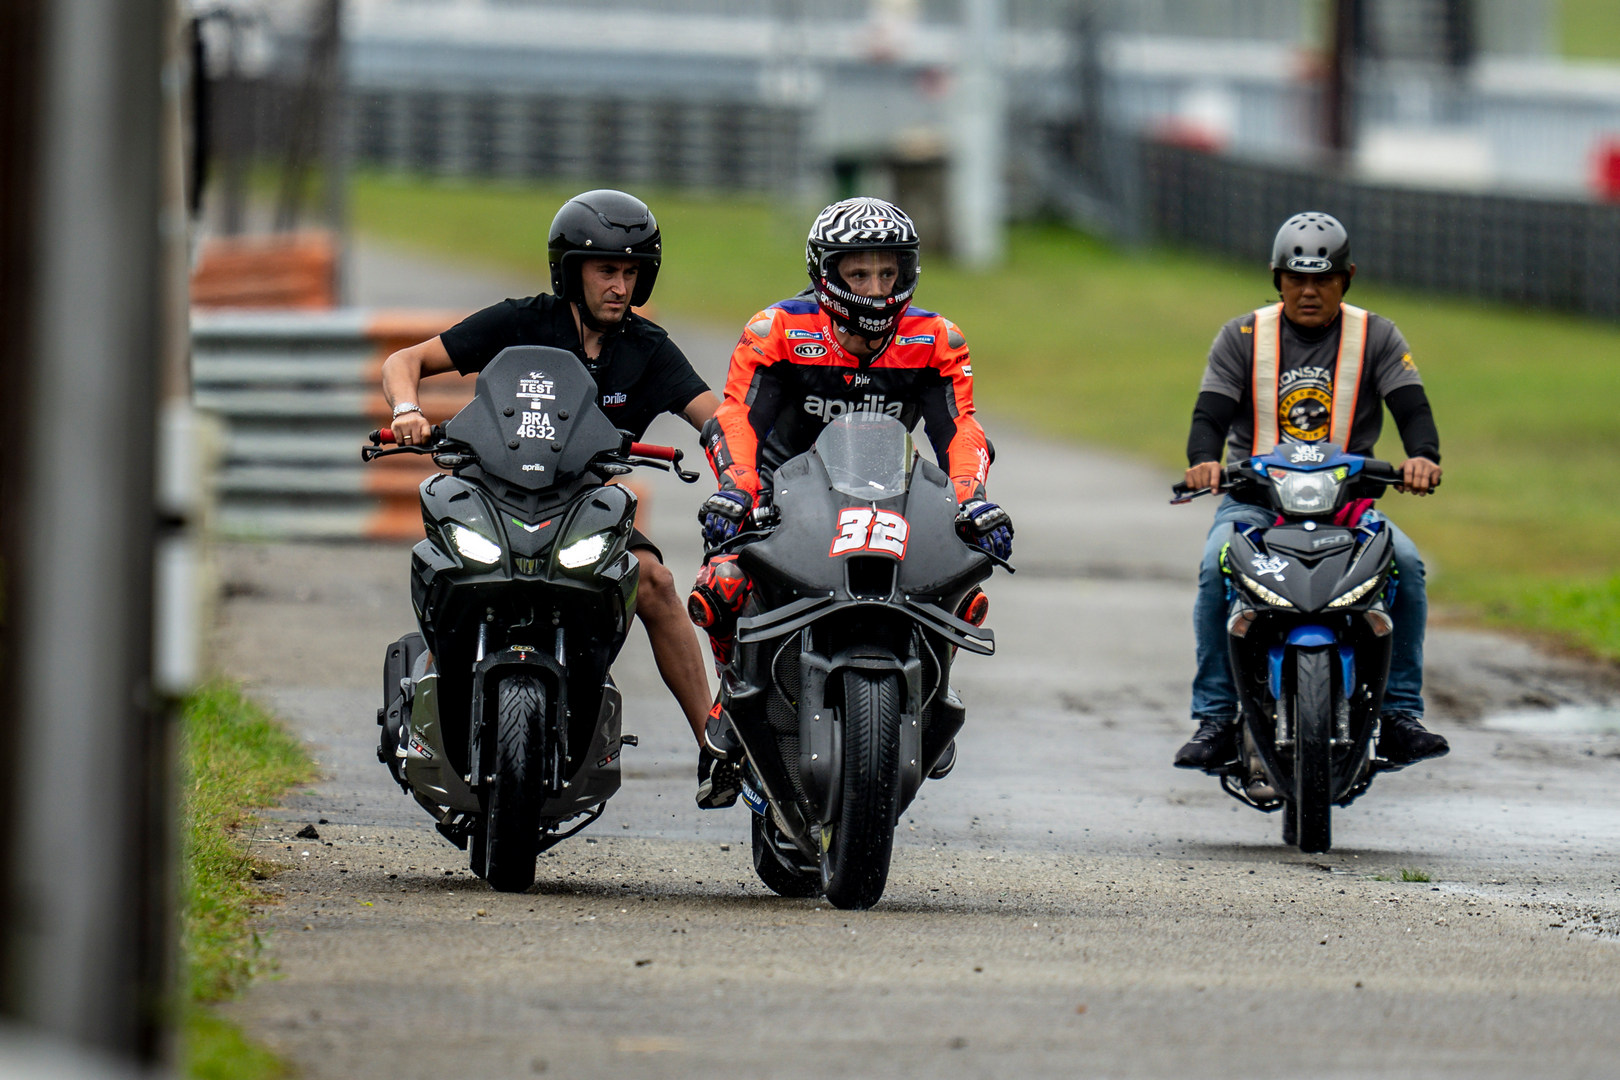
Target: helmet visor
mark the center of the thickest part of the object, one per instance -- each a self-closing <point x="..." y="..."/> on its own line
<point x="872" y="274"/>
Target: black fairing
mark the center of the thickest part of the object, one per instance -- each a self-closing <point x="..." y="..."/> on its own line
<point x="813" y="613"/>
<point x="534" y="420"/>
<point x="1321" y="564"/>
<point x="532" y="501"/>
<point x="1317" y="566"/>
<point x="795" y="559"/>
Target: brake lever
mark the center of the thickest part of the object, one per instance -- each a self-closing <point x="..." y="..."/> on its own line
<point x="687" y="476"/>
<point x="999" y="561"/>
<point x="371" y="453"/>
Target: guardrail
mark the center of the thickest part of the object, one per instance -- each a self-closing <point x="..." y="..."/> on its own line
<point x="1552" y="253"/>
<point x="297" y="393"/>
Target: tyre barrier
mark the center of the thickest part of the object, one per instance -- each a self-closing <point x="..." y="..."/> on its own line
<point x="296" y="394"/>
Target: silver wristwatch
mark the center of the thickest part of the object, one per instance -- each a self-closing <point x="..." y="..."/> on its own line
<point x="404" y="407"/>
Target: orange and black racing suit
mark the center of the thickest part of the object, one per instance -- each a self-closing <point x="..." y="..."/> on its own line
<point x="789" y="377"/>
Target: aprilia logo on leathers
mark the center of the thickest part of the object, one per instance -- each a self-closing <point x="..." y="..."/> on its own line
<point x="828" y="409"/>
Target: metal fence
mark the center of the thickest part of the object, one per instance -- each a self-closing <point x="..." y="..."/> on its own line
<point x="686" y="144"/>
<point x="1533" y="252"/>
<point x="296" y="393"/>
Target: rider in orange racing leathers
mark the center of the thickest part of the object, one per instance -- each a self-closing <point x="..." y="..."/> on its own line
<point x="852" y="342"/>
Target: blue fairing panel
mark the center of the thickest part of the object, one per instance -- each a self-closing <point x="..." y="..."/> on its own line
<point x="1310" y="637"/>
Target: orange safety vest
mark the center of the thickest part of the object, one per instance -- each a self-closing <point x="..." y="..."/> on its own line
<point x="1268" y="363"/>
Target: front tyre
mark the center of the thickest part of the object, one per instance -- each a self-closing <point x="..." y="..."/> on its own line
<point x="1313" y="750"/>
<point x="508" y="842"/>
<point x="855" y="856"/>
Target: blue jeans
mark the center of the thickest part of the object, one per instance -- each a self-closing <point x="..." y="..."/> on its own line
<point x="1214" y="696"/>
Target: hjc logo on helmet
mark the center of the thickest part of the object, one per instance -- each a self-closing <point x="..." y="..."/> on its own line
<point x="1309" y="264"/>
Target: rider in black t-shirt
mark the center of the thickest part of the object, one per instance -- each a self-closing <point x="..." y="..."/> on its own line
<point x="605" y="253"/>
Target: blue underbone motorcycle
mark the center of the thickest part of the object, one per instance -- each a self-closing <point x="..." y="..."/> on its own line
<point x="1308" y="632"/>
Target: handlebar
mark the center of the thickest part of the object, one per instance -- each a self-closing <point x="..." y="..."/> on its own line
<point x="650" y="453"/>
<point x="1240" y="474"/>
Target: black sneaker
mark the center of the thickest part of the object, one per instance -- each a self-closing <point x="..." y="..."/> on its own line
<point x="1214" y="743"/>
<point x="947" y="761"/>
<point x="1403" y="740"/>
<point x="719" y="737"/>
<point x="719" y="782"/>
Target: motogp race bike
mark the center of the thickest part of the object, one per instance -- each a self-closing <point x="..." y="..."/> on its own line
<point x="860" y="594"/>
<point x="499" y="717"/>
<point x="1308" y="633"/>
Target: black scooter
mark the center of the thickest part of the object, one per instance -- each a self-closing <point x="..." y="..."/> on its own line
<point x="1308" y="633"/>
<point x="839" y="684"/>
<point x="500" y="717"/>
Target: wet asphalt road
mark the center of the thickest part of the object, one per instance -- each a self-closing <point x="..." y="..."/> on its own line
<point x="1064" y="904"/>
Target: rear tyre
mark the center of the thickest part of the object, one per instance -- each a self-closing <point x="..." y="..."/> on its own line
<point x="1313" y="750"/>
<point x="510" y="831"/>
<point x="772" y="853"/>
<point x="855" y="857"/>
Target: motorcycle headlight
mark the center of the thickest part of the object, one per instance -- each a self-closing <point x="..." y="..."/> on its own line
<point x="585" y="552"/>
<point x="473" y="546"/>
<point x="1305" y="493"/>
<point x="1275" y="599"/>
<point x="1356" y="593"/>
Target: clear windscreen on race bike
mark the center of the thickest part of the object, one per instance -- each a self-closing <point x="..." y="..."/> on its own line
<point x="867" y="455"/>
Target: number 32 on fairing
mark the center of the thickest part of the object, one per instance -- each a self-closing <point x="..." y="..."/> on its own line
<point x="861" y="529"/>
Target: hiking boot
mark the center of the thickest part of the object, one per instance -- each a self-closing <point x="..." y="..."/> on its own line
<point x="947" y="761"/>
<point x="719" y="782"/>
<point x="1214" y="743"/>
<point x="1403" y="739"/>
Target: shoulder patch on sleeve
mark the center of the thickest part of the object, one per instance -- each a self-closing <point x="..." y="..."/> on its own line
<point x="762" y="323"/>
<point x="953" y="336"/>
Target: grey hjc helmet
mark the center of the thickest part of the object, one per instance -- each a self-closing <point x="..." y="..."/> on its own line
<point x="1311" y="243"/>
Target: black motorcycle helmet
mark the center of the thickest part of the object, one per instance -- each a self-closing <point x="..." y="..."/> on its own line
<point x="861" y="224"/>
<point x="604" y="223"/>
<point x="1311" y="243"/>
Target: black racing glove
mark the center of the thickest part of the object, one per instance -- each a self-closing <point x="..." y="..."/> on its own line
<point x="722" y="515"/>
<point x="987" y="526"/>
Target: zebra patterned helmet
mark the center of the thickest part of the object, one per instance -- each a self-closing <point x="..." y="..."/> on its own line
<point x="861" y="224"/>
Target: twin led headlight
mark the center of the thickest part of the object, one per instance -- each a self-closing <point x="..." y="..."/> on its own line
<point x="472" y="546"/>
<point x="478" y="548"/>
<point x="1270" y="596"/>
<point x="585" y="552"/>
<point x="1276" y="599"/>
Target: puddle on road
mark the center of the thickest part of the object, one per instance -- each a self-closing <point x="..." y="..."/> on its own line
<point x="1564" y="720"/>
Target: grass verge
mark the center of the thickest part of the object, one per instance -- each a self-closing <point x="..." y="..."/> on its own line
<point x="1090" y="343"/>
<point x="234" y="757"/>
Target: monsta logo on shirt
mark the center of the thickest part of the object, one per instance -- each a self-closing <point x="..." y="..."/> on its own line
<point x="1305" y="403"/>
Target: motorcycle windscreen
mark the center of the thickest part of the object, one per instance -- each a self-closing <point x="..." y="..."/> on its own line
<point x="533" y="420"/>
<point x="867" y="456"/>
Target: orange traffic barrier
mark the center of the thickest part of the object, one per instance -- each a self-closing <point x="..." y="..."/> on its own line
<point x="392" y="482"/>
<point x="284" y="270"/>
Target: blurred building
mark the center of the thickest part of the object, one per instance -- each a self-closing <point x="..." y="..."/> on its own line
<point x="969" y="111"/>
